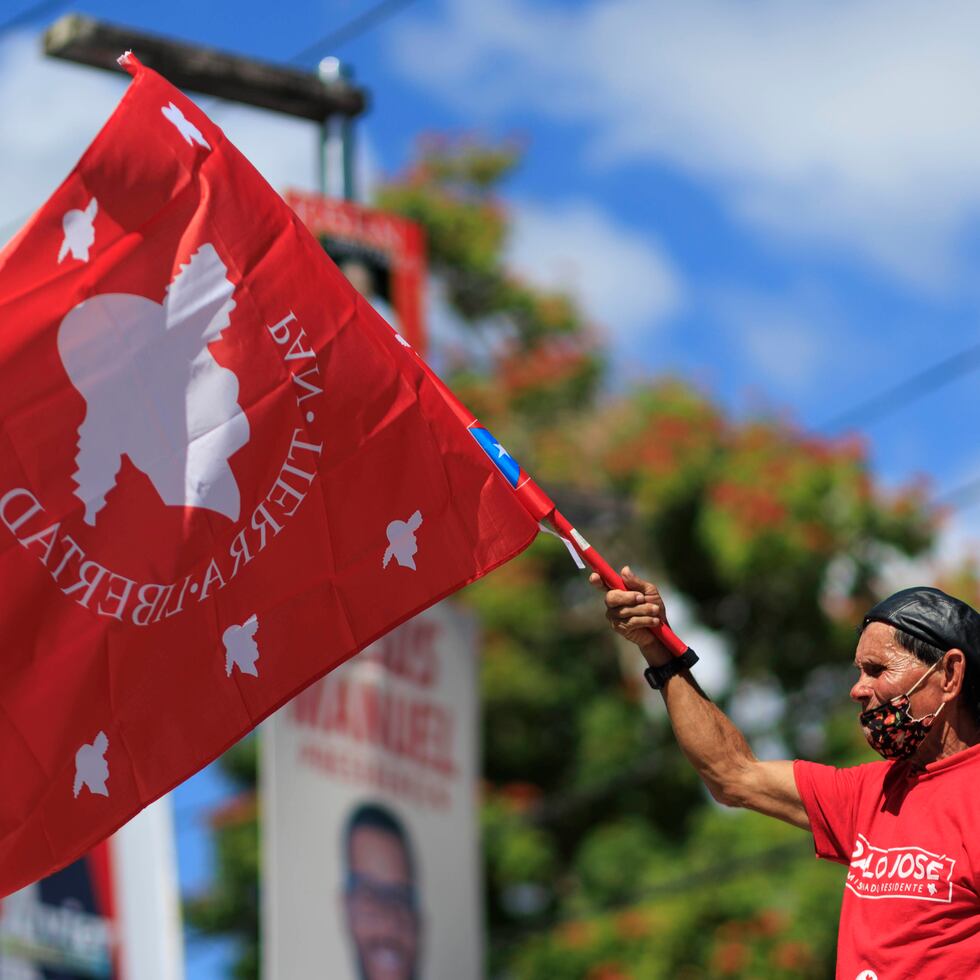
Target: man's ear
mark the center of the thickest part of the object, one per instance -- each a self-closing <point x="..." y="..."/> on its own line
<point x="953" y="673"/>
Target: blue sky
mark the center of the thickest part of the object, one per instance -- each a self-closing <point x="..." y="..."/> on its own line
<point x="777" y="200"/>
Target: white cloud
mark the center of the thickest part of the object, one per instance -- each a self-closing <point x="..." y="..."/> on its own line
<point x="959" y="538"/>
<point x="957" y="543"/>
<point x="52" y="110"/>
<point x="785" y="339"/>
<point x="282" y="149"/>
<point x="852" y="124"/>
<point x="623" y="279"/>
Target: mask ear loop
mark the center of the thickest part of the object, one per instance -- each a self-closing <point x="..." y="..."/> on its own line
<point x="915" y="687"/>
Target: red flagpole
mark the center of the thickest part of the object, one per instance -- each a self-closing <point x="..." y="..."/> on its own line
<point x="609" y="576"/>
<point x="542" y="507"/>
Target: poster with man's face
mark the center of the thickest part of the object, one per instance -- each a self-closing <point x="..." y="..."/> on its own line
<point x="370" y="846"/>
<point x="381" y="901"/>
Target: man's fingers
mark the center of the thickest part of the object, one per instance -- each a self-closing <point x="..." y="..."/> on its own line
<point x="633" y="622"/>
<point x="635" y="582"/>
<point x="638" y="623"/>
<point x="634" y="605"/>
<point x="650" y="614"/>
<point x="635" y="609"/>
<point x="645" y="609"/>
<point x="616" y="598"/>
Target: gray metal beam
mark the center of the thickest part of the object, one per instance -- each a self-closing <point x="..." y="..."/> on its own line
<point x="296" y="93"/>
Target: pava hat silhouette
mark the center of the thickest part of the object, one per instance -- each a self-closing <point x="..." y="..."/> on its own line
<point x="241" y="650"/>
<point x="79" y="228"/>
<point x="154" y="392"/>
<point x="402" y="545"/>
<point x="91" y="769"/>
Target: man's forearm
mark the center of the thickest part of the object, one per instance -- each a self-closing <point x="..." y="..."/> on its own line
<point x="715" y="747"/>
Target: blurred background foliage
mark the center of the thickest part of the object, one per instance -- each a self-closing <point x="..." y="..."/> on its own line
<point x="604" y="857"/>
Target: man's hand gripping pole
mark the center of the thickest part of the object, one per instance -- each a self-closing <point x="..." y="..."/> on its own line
<point x="611" y="578"/>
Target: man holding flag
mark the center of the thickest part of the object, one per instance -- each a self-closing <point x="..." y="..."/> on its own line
<point x="222" y="474"/>
<point x="905" y="825"/>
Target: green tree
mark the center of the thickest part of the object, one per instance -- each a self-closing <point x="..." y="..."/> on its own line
<point x="231" y="908"/>
<point x="604" y="858"/>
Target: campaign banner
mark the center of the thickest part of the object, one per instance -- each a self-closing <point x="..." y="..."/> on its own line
<point x="63" y="926"/>
<point x="371" y="866"/>
<point x="382" y="254"/>
<point x="114" y="914"/>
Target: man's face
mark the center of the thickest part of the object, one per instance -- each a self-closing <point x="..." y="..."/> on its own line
<point x="381" y="912"/>
<point x="887" y="670"/>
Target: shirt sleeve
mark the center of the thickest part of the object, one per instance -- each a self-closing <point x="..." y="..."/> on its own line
<point x="830" y="796"/>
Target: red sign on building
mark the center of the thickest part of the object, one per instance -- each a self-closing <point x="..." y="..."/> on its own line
<point x="382" y="254"/>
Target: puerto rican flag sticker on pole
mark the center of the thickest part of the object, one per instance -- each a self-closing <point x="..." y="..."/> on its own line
<point x="502" y="459"/>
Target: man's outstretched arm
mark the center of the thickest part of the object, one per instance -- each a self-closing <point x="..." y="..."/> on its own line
<point x="714" y="746"/>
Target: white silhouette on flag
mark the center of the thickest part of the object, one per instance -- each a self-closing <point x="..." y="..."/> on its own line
<point x="91" y="769"/>
<point x="241" y="650"/>
<point x="79" y="228"/>
<point x="155" y="393"/>
<point x="185" y="127"/>
<point x="402" y="545"/>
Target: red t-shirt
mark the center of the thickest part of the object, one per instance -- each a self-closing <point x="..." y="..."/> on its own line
<point x="912" y="842"/>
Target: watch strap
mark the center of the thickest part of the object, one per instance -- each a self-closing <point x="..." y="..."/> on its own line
<point x="658" y="676"/>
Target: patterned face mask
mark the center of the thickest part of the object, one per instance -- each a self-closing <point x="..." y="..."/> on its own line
<point x="890" y="728"/>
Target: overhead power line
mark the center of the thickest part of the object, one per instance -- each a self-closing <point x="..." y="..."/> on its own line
<point x="354" y="28"/>
<point x="910" y="389"/>
<point x="961" y="497"/>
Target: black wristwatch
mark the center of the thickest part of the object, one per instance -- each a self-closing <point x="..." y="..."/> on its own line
<point x="658" y="676"/>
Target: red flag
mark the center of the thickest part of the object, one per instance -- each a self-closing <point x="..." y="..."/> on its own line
<point x="221" y="475"/>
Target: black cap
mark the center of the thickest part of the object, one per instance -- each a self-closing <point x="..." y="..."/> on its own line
<point x="933" y="616"/>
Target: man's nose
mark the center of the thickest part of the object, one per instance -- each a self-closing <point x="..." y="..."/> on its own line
<point x="861" y="691"/>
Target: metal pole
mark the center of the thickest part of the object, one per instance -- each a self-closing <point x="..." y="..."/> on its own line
<point x="321" y="170"/>
<point x="350" y="177"/>
<point x="336" y="135"/>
